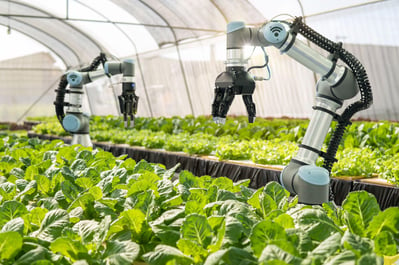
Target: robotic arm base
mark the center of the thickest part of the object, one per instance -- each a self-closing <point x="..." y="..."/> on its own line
<point x="82" y="139"/>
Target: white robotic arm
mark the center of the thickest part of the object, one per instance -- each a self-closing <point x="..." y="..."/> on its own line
<point x="75" y="121"/>
<point x="338" y="83"/>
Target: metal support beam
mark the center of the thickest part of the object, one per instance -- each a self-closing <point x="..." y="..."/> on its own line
<point x="111" y="22"/>
<point x="136" y="54"/>
<point x="178" y="54"/>
<point x="37" y="100"/>
<point x="43" y="43"/>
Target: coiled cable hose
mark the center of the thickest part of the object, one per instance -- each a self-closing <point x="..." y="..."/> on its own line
<point x="59" y="99"/>
<point x="61" y="89"/>
<point x="366" y="96"/>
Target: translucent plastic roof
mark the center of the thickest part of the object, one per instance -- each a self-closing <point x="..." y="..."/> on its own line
<point x="77" y="30"/>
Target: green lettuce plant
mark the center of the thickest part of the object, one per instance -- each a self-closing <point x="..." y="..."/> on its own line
<point x="270" y="142"/>
<point x="73" y="205"/>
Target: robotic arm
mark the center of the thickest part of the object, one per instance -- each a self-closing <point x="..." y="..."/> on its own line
<point x="338" y="83"/>
<point x="75" y="121"/>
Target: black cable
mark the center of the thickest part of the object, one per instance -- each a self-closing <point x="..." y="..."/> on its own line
<point x="366" y="97"/>
<point x="59" y="99"/>
<point x="261" y="66"/>
<point x="257" y="67"/>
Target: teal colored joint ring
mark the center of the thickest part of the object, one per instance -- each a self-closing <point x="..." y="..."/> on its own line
<point x="235" y="25"/>
<point x="314" y="175"/>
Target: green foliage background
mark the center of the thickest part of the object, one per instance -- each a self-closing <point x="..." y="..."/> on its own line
<point x="367" y="149"/>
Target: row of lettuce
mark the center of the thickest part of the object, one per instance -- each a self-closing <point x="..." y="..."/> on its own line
<point x="367" y="149"/>
<point x="73" y="205"/>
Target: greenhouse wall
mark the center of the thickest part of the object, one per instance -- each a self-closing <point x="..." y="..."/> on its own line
<point x="27" y="86"/>
<point x="290" y="91"/>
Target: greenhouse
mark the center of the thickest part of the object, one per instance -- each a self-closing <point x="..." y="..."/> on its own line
<point x="171" y="132"/>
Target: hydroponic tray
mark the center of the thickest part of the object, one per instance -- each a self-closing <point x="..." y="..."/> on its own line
<point x="386" y="195"/>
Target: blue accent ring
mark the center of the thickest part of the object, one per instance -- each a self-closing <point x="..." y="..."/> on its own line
<point x="74" y="78"/>
<point x="71" y="123"/>
<point x="235" y="25"/>
<point x="106" y="68"/>
<point x="314" y="175"/>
